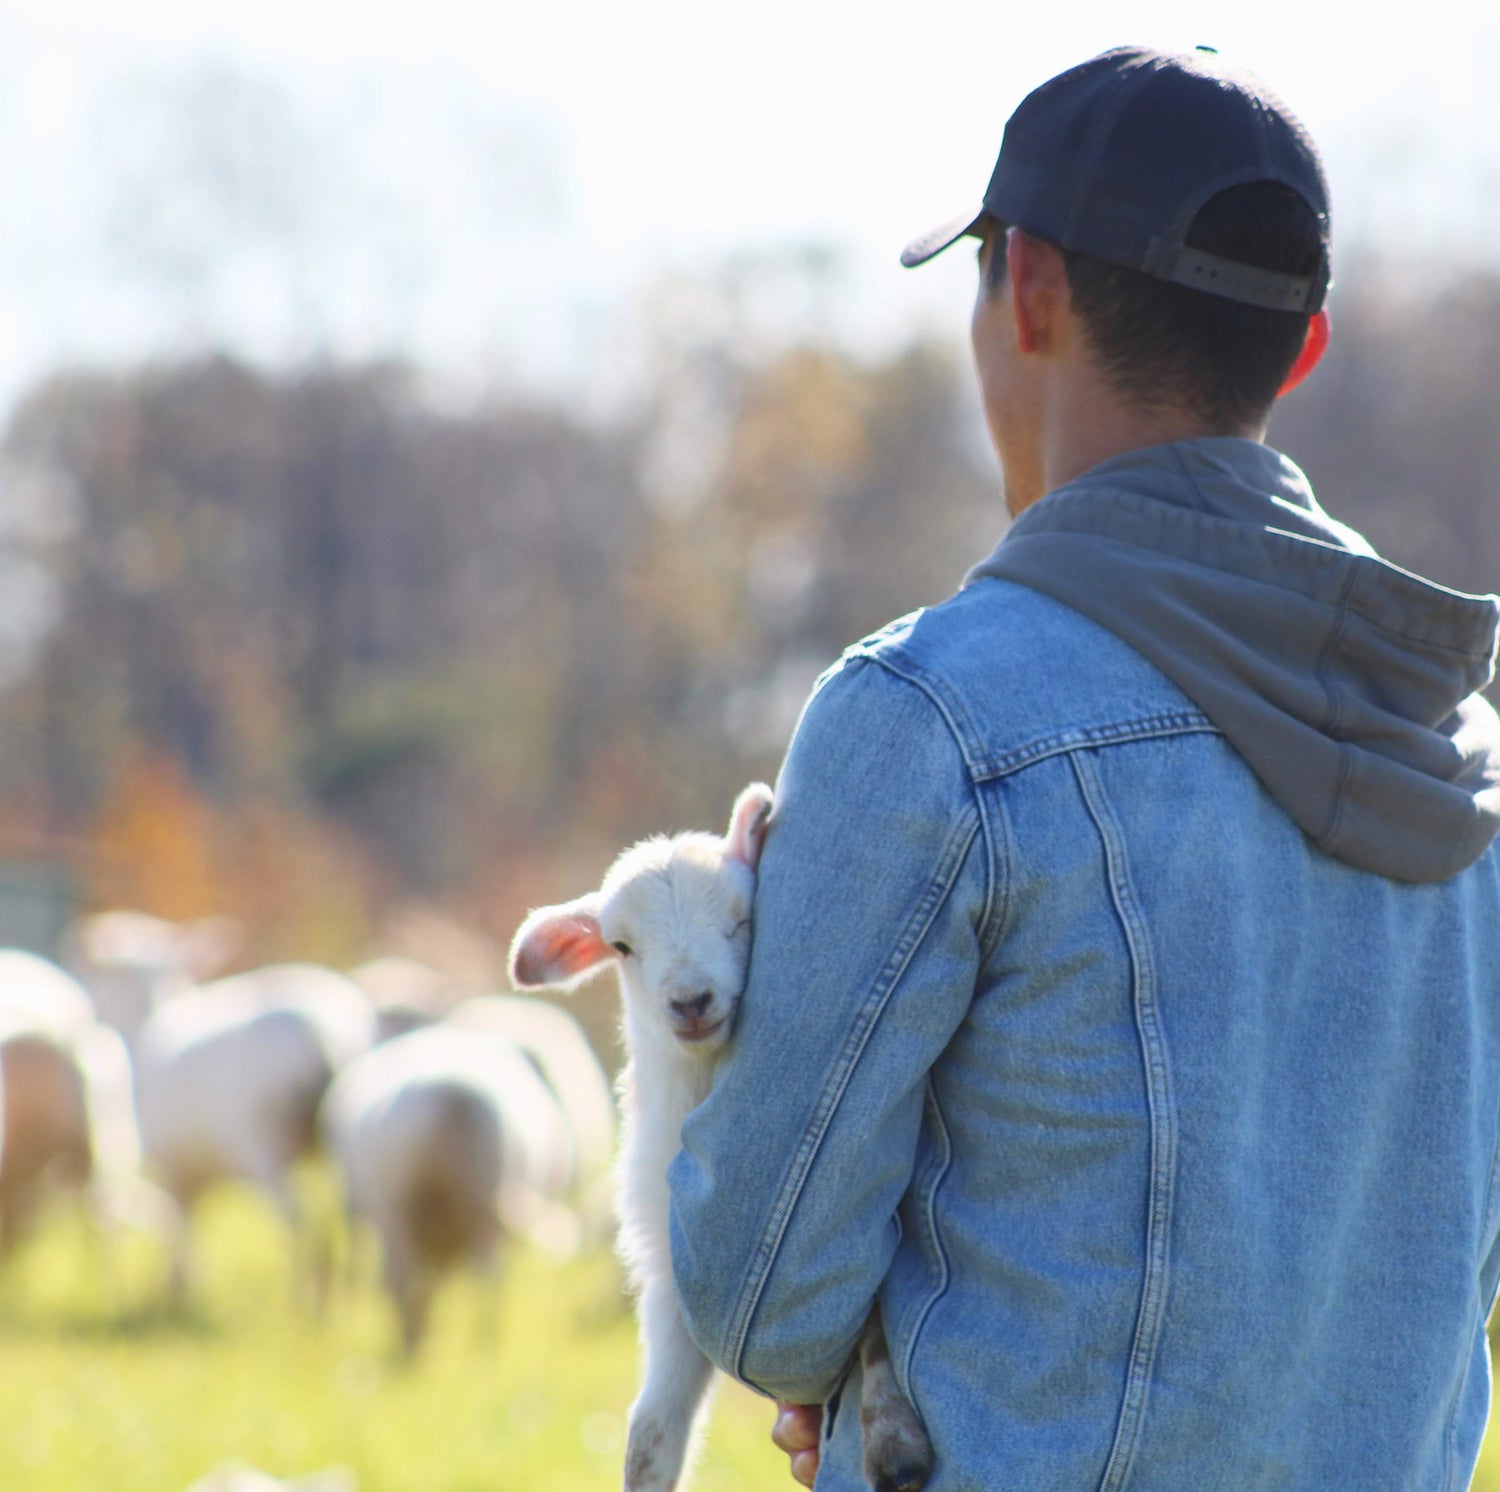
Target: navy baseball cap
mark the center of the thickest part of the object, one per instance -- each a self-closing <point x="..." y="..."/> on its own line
<point x="1115" y="157"/>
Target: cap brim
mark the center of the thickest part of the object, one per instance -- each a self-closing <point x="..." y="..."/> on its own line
<point x="920" y="250"/>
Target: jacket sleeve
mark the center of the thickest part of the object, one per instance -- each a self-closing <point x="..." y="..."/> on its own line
<point x="868" y="923"/>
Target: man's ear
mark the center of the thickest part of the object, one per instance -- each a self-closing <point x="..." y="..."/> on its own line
<point x="1038" y="282"/>
<point x="1314" y="345"/>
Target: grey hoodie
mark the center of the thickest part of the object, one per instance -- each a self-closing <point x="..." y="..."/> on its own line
<point x="1348" y="685"/>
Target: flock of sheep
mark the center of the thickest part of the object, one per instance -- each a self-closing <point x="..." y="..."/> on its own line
<point x="132" y="1079"/>
<point x="451" y="1123"/>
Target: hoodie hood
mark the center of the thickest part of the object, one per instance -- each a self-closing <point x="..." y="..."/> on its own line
<point x="1349" y="686"/>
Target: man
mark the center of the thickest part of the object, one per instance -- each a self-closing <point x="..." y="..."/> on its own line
<point x="1124" y="1012"/>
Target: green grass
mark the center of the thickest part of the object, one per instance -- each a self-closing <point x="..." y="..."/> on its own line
<point x="517" y="1390"/>
<point x="520" y="1389"/>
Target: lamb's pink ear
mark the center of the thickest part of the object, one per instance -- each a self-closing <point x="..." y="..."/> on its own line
<point x="747" y="824"/>
<point x="559" y="945"/>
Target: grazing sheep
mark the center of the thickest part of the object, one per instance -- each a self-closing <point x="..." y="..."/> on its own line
<point x="556" y="1046"/>
<point x="47" y="1140"/>
<point x="447" y="1139"/>
<point x="67" y="1118"/>
<point x="130" y="962"/>
<point x="674" y="917"/>
<point x="36" y="991"/>
<point x="229" y="1079"/>
<point x="406" y="993"/>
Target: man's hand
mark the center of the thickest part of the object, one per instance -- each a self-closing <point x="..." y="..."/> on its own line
<point x="796" y="1432"/>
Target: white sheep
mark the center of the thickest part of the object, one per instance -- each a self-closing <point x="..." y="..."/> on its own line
<point x="36" y="991"/>
<point x="131" y="962"/>
<point x="674" y="917"/>
<point x="47" y="1131"/>
<point x="447" y="1139"/>
<point x="406" y="993"/>
<point x="229" y="1078"/>
<point x="67" y="1114"/>
<point x="557" y="1047"/>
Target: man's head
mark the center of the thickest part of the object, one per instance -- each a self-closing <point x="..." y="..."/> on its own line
<point x="1185" y="211"/>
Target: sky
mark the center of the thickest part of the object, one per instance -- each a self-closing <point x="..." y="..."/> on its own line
<point x="489" y="188"/>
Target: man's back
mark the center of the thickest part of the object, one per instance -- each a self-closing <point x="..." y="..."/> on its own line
<point x="1220" y="1121"/>
<point x="1204" y="1120"/>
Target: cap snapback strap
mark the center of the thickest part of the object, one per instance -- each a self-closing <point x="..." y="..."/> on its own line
<point x="1246" y="283"/>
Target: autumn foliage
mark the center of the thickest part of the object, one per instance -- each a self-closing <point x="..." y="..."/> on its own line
<point x="308" y="648"/>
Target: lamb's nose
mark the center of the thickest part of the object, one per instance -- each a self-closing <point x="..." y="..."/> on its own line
<point x="690" y="1009"/>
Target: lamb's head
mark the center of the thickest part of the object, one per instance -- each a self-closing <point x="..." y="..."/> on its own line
<point x="674" y="916"/>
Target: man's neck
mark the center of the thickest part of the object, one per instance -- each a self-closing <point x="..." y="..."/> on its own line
<point x="1094" y="426"/>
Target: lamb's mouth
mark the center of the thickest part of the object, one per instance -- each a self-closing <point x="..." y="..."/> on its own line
<point x="701" y="1031"/>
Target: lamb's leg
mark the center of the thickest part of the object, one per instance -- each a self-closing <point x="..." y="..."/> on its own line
<point x="676" y="1383"/>
<point x="897" y="1453"/>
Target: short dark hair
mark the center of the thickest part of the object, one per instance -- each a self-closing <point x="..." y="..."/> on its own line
<point x="1165" y="345"/>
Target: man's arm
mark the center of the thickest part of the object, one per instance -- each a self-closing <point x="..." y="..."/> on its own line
<point x="870" y="911"/>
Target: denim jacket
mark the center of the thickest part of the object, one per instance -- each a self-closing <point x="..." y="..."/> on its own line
<point x="1165" y="1135"/>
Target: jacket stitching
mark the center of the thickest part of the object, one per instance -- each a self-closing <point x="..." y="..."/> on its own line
<point x="945" y="701"/>
<point x="1149" y="728"/>
<point x="1163" y="1121"/>
<point x="949" y="867"/>
<point x="950" y="707"/>
<point x="983" y="767"/>
<point x="1002" y="856"/>
<point x="933" y="1234"/>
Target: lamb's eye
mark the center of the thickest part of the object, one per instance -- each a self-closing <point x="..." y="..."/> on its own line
<point x="623" y="949"/>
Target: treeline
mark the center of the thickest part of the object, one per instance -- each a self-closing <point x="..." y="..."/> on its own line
<point x="306" y="647"/>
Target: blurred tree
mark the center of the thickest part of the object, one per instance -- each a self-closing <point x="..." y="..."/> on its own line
<point x="312" y="644"/>
<point x="1398" y="431"/>
<point x="156" y="843"/>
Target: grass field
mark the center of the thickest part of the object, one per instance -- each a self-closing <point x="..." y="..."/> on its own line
<point x="523" y="1389"/>
<point x="518" y="1390"/>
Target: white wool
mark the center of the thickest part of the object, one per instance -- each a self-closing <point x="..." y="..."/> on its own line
<point x="673" y="916"/>
<point x="39" y="1000"/>
<point x="229" y="1077"/>
<point x="556" y="1045"/>
<point x="456" y="1113"/>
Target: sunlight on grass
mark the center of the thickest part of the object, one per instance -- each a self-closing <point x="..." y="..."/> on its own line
<point x="524" y="1387"/>
<point x="520" y="1388"/>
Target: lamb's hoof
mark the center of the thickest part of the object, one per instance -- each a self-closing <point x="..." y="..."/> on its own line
<point x="898" y="1455"/>
<point x="645" y="1458"/>
<point x="911" y="1476"/>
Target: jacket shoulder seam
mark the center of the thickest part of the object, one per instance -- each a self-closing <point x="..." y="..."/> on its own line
<point x="950" y="709"/>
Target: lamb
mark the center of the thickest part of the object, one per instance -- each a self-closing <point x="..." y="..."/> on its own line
<point x="674" y="916"/>
<point x="447" y="1139"/>
<point x="229" y="1078"/>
